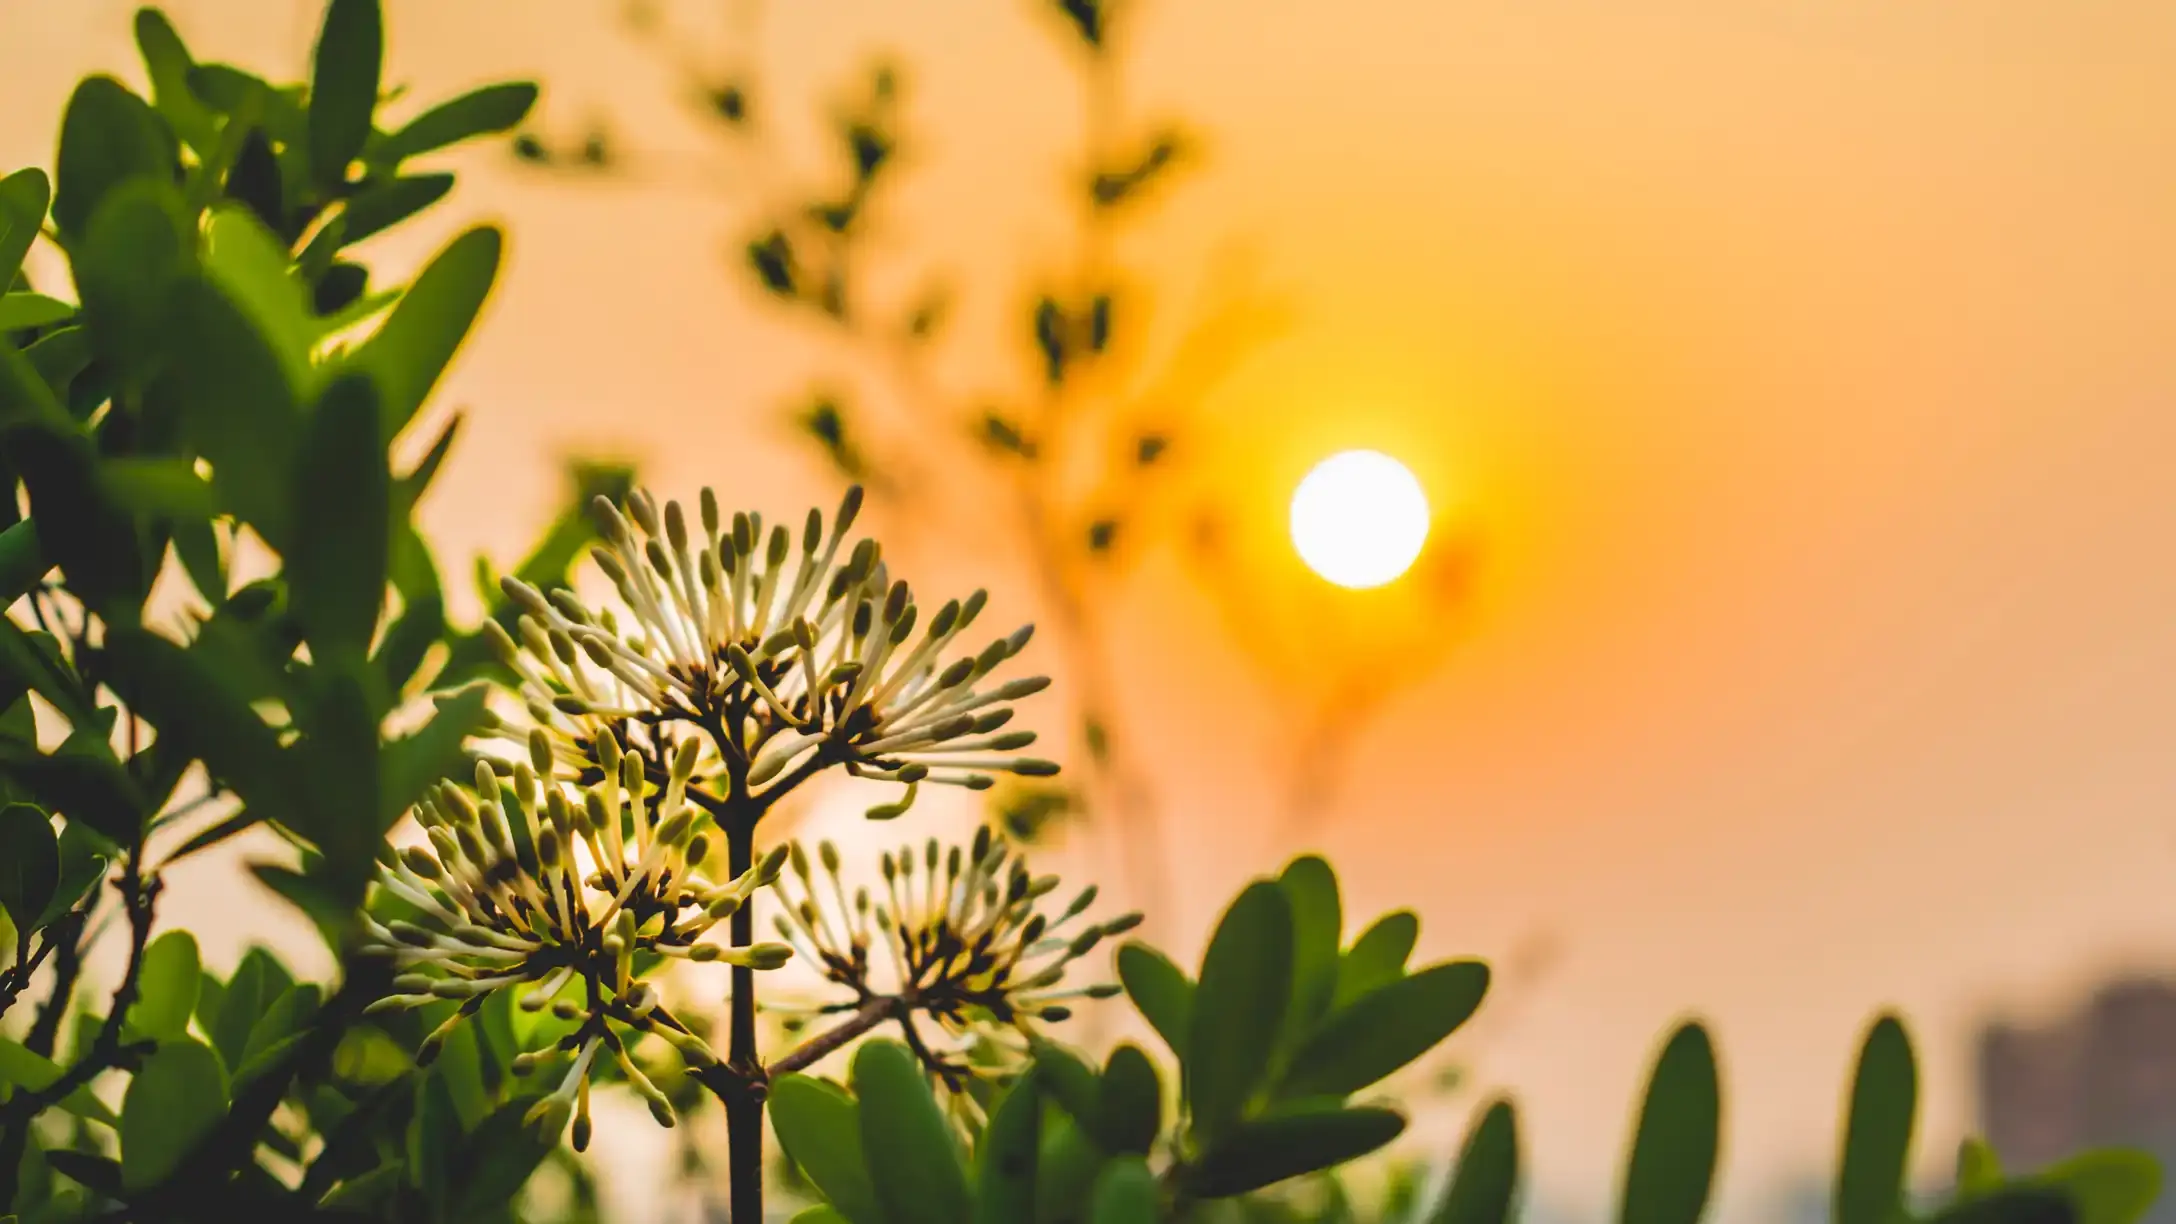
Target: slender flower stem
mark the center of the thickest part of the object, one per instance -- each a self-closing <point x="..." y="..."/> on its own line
<point x="743" y="1098"/>
<point x="872" y="1013"/>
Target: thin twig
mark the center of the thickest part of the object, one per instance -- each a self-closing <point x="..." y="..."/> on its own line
<point x="873" y="1013"/>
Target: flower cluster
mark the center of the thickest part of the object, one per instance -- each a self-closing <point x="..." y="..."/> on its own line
<point x="786" y="658"/>
<point x="504" y="899"/>
<point x="964" y="937"/>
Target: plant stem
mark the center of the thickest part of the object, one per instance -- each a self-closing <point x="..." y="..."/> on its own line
<point x="743" y="1089"/>
<point x="873" y="1013"/>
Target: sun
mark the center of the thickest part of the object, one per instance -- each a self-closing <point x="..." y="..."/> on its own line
<point x="1359" y="519"/>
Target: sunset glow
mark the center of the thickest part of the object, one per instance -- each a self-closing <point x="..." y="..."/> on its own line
<point x="1359" y="519"/>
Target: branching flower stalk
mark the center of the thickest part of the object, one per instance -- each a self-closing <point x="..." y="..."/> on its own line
<point x="737" y="662"/>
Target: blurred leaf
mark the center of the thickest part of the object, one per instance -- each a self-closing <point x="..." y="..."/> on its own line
<point x="1129" y="1102"/>
<point x="413" y="762"/>
<point x="1002" y="435"/>
<point x="328" y="900"/>
<point x="81" y="780"/>
<point x="107" y="136"/>
<point x="1271" y="1149"/>
<point x="24" y="197"/>
<point x="1005" y="1178"/>
<point x="161" y="488"/>
<point x="167" y="62"/>
<point x="1160" y="992"/>
<point x="250" y="263"/>
<point x="483" y="112"/>
<point x="1088" y="19"/>
<point x="29" y="865"/>
<point x="1065" y="1174"/>
<point x="173" y="1101"/>
<point x="20" y="1068"/>
<point x="1245" y="982"/>
<point x="772" y="258"/>
<point x="1126" y="1193"/>
<point x="195" y="704"/>
<point x="2024" y="1204"/>
<point x="1132" y="180"/>
<point x="1672" y="1165"/>
<point x="196" y="546"/>
<point x="434" y="1131"/>
<point x="166" y="988"/>
<point x="22" y="311"/>
<point x="1878" y="1132"/>
<point x="84" y="858"/>
<point x="1317" y="930"/>
<point x="388" y="203"/>
<point x="287" y="1018"/>
<point x="2110" y="1186"/>
<point x="1978" y="1169"/>
<point x="914" y="1166"/>
<point x="1149" y="448"/>
<point x="819" y="1126"/>
<point x="236" y="406"/>
<point x="1386" y="1029"/>
<point x="421" y="625"/>
<point x="819" y="1214"/>
<point x="22" y="561"/>
<point x="340" y="503"/>
<point x="411" y="348"/>
<point x="1377" y="957"/>
<point x="1052" y="339"/>
<point x="1102" y="534"/>
<point x="497" y="1159"/>
<point x="344" y="86"/>
<point x="258" y="981"/>
<point x="1487" y="1175"/>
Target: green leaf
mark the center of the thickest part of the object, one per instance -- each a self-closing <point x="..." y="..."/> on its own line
<point x="287" y="1018"/>
<point x="24" y="197"/>
<point x="139" y="245"/>
<point x="1386" y="1029"/>
<point x="1317" y="928"/>
<point x="1129" y="1102"/>
<point x="340" y="503"/>
<point x="107" y="137"/>
<point x="2020" y="1204"/>
<point x="1244" y="988"/>
<point x="172" y="1103"/>
<point x="819" y="1126"/>
<point x="1006" y="1159"/>
<point x="1487" y="1174"/>
<point x="482" y="112"/>
<point x="412" y="347"/>
<point x="1270" y="1149"/>
<point x="250" y="265"/>
<point x="165" y="487"/>
<point x="167" y="62"/>
<point x="1978" y="1169"/>
<point x="433" y="1132"/>
<point x="166" y="988"/>
<point x="497" y="1159"/>
<point x="60" y="357"/>
<point x="1126" y="1193"/>
<point x="410" y="764"/>
<point x="22" y="561"/>
<point x="1878" y="1132"/>
<point x="1672" y="1165"/>
<point x="80" y="780"/>
<point x="913" y="1163"/>
<point x="344" y="87"/>
<point x="1160" y="992"/>
<point x="21" y="1068"/>
<point x="258" y="981"/>
<point x="408" y="640"/>
<point x="84" y="857"/>
<point x="29" y="865"/>
<point x="19" y="311"/>
<point x="1068" y="1082"/>
<point x="819" y="1214"/>
<point x="2110" y="1186"/>
<point x="197" y="705"/>
<point x="385" y="204"/>
<point x="236" y="405"/>
<point x="1377" y="957"/>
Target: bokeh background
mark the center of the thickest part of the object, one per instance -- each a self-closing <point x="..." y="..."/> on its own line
<point x="1802" y="372"/>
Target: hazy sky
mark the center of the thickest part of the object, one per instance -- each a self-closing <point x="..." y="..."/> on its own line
<point x="1808" y="368"/>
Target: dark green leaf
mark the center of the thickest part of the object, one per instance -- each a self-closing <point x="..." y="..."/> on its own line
<point x="1377" y="957"/>
<point x="326" y="899"/>
<point x="1878" y="1131"/>
<point x="819" y="1127"/>
<point x="344" y="86"/>
<point x="1387" y="1029"/>
<point x="24" y="197"/>
<point x="1487" y="1174"/>
<point x="107" y="137"/>
<point x="2110" y="1186"/>
<point x="29" y="865"/>
<point x="1271" y="1149"/>
<point x="80" y="780"/>
<point x="383" y="205"/>
<point x="196" y="704"/>
<point x="258" y="981"/>
<point x="22" y="561"/>
<point x="236" y="404"/>
<point x="411" y="349"/>
<point x="482" y="112"/>
<point x="167" y="62"/>
<point x="1006" y="1160"/>
<point x="1243" y="990"/>
<point x="22" y="311"/>
<point x="1978" y="1169"/>
<point x="1066" y="1168"/>
<point x="285" y="1019"/>
<point x="21" y="1068"/>
<point x="1317" y="931"/>
<point x="1672" y="1165"/>
<point x="250" y="265"/>
<point x="139" y="244"/>
<point x="340" y="503"/>
<point x="84" y="857"/>
<point x="1129" y="1103"/>
<point x="2025" y="1204"/>
<point x="433" y="1133"/>
<point x="196" y="546"/>
<point x="166" y="988"/>
<point x="161" y="488"/>
<point x="1126" y="1193"/>
<point x="413" y="762"/>
<point x="914" y="1166"/>
<point x="172" y="1102"/>
<point x="60" y="358"/>
<point x="497" y="1159"/>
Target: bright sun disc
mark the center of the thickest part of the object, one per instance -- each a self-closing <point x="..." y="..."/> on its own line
<point x="1359" y="519"/>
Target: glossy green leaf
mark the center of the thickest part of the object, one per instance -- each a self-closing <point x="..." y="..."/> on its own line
<point x="1129" y="1102"/>
<point x="384" y="205"/>
<point x="340" y="503"/>
<point x="1160" y="992"/>
<point x="107" y="137"/>
<point x="22" y="1068"/>
<point x="1317" y="930"/>
<point x="172" y="1103"/>
<point x="1126" y="1193"/>
<point x="1273" y="1148"/>
<point x="1672" y="1166"/>
<point x="29" y="865"/>
<point x="914" y="1166"/>
<point x="2109" y="1186"/>
<point x="24" y="198"/>
<point x="19" y="311"/>
<point x="1878" y="1129"/>
<point x="1244" y="988"/>
<point x="1377" y="957"/>
<point x="1978" y="1168"/>
<point x="819" y="1126"/>
<point x="410" y="350"/>
<point x="1006" y="1160"/>
<point x="1387" y="1029"/>
<point x="1486" y="1178"/>
<point x="250" y="265"/>
<point x="482" y="112"/>
<point x="344" y="86"/>
<point x="236" y="405"/>
<point x="166" y="988"/>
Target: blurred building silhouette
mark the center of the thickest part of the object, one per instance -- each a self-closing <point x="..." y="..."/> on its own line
<point x="2104" y="1075"/>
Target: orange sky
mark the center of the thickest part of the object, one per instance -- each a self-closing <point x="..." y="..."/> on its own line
<point x="1808" y="367"/>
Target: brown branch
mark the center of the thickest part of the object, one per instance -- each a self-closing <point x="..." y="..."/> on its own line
<point x="872" y="1014"/>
